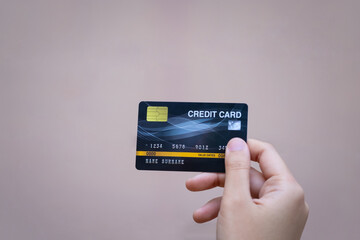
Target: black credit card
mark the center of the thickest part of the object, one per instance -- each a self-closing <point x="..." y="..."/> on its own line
<point x="187" y="136"/>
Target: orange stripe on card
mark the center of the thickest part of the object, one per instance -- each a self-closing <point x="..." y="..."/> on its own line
<point x="180" y="154"/>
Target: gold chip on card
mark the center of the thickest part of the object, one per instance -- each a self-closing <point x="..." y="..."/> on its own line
<point x="156" y="114"/>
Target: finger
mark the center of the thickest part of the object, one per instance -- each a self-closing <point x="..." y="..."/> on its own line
<point x="205" y="181"/>
<point x="208" y="212"/>
<point x="237" y="171"/>
<point x="271" y="164"/>
<point x="257" y="180"/>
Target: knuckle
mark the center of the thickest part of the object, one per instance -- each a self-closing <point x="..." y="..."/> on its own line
<point x="269" y="146"/>
<point x="236" y="164"/>
<point x="237" y="161"/>
<point x="298" y="192"/>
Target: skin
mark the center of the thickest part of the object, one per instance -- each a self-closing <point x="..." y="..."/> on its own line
<point x="255" y="205"/>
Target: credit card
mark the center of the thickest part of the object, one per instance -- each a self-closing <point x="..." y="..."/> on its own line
<point x="187" y="136"/>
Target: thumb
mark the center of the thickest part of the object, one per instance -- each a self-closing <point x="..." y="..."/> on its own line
<point x="237" y="170"/>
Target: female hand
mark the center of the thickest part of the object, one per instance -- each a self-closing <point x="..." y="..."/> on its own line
<point x="255" y="205"/>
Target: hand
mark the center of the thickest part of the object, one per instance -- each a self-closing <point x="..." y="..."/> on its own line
<point x="255" y="205"/>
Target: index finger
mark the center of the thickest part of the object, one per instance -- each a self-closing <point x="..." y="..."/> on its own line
<point x="271" y="164"/>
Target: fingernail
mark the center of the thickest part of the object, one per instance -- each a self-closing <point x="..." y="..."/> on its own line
<point x="236" y="144"/>
<point x="195" y="177"/>
<point x="199" y="210"/>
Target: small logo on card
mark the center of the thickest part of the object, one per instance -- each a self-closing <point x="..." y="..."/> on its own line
<point x="234" y="125"/>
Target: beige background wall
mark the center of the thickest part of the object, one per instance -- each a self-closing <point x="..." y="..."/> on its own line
<point x="73" y="72"/>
